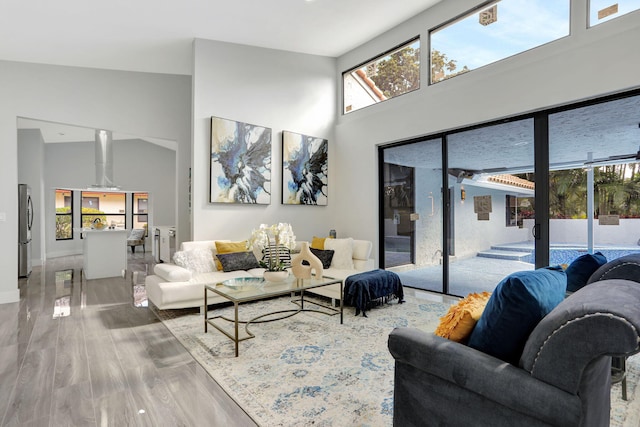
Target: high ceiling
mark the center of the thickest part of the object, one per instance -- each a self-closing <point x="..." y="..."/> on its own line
<point x="147" y="35"/>
<point x="151" y="36"/>
<point x="59" y="132"/>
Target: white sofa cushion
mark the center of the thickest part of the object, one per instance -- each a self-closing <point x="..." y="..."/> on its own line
<point x="200" y="244"/>
<point x="172" y="272"/>
<point x="195" y="260"/>
<point x="343" y="253"/>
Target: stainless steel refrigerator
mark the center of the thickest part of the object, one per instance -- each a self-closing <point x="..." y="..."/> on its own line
<point x="25" y="221"/>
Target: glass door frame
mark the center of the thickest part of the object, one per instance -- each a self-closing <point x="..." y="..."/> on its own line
<point x="541" y="237"/>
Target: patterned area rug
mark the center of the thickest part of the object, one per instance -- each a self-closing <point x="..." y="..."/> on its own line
<point x="627" y="413"/>
<point x="309" y="369"/>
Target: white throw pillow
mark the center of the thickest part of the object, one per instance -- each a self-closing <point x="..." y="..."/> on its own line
<point x="343" y="252"/>
<point x="196" y="260"/>
<point x="362" y="249"/>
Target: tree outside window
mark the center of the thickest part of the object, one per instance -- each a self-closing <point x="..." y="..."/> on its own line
<point x="391" y="74"/>
<point x="107" y="207"/>
<point x="64" y="214"/>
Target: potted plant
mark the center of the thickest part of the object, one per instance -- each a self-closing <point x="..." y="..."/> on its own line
<point x="274" y="237"/>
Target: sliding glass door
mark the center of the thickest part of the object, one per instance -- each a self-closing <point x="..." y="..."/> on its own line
<point x="399" y="215"/>
<point x="594" y="203"/>
<point x="412" y="212"/>
<point x="476" y="190"/>
<point x="491" y="180"/>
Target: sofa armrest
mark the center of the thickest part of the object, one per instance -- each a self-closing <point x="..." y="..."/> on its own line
<point x="598" y="320"/>
<point x="483" y="375"/>
<point x="172" y="272"/>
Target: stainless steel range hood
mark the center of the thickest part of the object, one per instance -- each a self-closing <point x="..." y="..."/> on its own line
<point x="104" y="161"/>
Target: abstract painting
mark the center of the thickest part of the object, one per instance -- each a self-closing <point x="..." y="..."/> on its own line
<point x="240" y="162"/>
<point x="304" y="169"/>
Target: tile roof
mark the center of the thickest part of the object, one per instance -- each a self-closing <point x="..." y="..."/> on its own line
<point x="512" y="180"/>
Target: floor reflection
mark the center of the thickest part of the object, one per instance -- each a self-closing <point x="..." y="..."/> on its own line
<point x="64" y="285"/>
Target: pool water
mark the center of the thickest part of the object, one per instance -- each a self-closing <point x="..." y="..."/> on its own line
<point x="566" y="255"/>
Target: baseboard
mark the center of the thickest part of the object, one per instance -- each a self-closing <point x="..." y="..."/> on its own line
<point x="10" y="296"/>
<point x="58" y="254"/>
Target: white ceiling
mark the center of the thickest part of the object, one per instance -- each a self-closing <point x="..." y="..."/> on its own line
<point x="156" y="36"/>
<point x="59" y="133"/>
<point x="152" y="36"/>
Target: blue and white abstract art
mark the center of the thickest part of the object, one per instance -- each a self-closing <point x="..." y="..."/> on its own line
<point x="304" y="169"/>
<point x="240" y="163"/>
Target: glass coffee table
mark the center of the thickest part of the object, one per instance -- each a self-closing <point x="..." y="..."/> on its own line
<point x="249" y="289"/>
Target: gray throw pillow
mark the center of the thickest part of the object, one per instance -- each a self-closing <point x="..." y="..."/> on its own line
<point x="238" y="261"/>
<point x="325" y="257"/>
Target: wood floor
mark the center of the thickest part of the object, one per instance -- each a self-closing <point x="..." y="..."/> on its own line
<point x="77" y="352"/>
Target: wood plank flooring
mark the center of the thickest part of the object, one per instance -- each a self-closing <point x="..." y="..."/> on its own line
<point x="76" y="352"/>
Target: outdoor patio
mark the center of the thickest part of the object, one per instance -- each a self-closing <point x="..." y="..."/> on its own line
<point x="485" y="271"/>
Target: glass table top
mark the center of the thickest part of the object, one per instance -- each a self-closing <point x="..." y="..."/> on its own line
<point x="250" y="288"/>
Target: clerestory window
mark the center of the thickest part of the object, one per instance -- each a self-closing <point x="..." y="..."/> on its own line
<point x="493" y="32"/>
<point x="605" y="10"/>
<point x="391" y="74"/>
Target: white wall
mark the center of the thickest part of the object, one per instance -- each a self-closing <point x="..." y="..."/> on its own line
<point x="575" y="231"/>
<point x="587" y="64"/>
<point x="30" y="171"/>
<point x="473" y="235"/>
<point x="142" y="104"/>
<point x="277" y="89"/>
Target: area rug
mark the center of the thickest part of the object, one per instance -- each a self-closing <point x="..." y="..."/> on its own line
<point x="627" y="413"/>
<point x="310" y="370"/>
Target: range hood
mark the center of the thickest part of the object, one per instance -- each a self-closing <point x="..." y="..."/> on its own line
<point x="104" y="161"/>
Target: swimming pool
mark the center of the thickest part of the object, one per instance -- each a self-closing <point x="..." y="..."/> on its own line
<point x="566" y="255"/>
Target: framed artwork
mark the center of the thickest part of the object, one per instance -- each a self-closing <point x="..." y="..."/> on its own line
<point x="240" y="169"/>
<point x="304" y="169"/>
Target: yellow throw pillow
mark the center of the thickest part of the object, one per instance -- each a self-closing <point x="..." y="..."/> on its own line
<point x="461" y="318"/>
<point x="318" y="243"/>
<point x="227" y="248"/>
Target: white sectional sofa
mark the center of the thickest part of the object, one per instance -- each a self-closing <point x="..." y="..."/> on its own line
<point x="172" y="286"/>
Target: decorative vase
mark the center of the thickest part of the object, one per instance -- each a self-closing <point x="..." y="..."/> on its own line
<point x="302" y="271"/>
<point x="275" y="276"/>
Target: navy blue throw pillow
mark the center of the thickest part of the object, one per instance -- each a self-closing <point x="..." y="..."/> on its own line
<point x="516" y="306"/>
<point x="582" y="268"/>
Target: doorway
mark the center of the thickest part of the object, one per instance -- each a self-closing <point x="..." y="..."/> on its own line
<point x="399" y="215"/>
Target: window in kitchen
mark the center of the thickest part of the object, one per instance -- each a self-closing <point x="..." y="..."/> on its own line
<point x="64" y="214"/>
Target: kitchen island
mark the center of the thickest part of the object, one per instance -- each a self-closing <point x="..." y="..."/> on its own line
<point x="104" y="253"/>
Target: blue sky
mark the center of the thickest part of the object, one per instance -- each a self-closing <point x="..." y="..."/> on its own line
<point x="521" y="25"/>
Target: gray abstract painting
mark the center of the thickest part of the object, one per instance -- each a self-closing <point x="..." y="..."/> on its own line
<point x="240" y="162"/>
<point x="304" y="169"/>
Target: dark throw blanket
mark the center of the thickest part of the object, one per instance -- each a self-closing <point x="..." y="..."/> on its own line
<point x="363" y="290"/>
